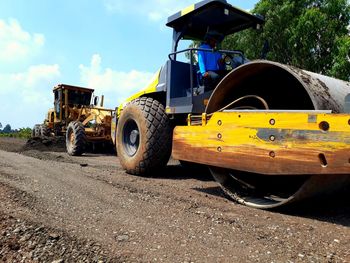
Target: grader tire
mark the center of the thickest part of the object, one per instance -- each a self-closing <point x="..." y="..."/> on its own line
<point x="44" y="130"/>
<point x="144" y="136"/>
<point x="75" y="138"/>
<point x="36" y="131"/>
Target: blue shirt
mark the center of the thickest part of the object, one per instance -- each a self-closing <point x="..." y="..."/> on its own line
<point x="207" y="60"/>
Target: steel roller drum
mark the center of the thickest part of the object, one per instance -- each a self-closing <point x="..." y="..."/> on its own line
<point x="283" y="87"/>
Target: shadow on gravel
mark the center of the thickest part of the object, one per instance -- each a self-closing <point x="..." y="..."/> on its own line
<point x="331" y="208"/>
<point x="178" y="172"/>
<point x="95" y="155"/>
<point x="214" y="191"/>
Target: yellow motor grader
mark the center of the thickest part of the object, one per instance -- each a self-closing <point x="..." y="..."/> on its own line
<point x="75" y="117"/>
<point x="270" y="133"/>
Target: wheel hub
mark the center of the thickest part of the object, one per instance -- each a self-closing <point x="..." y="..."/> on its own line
<point x="131" y="137"/>
<point x="72" y="138"/>
<point x="134" y="135"/>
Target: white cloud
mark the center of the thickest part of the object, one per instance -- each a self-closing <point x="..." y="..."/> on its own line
<point x="25" y="91"/>
<point x="115" y="85"/>
<point x="26" y="96"/>
<point x="17" y="44"/>
<point x="154" y="10"/>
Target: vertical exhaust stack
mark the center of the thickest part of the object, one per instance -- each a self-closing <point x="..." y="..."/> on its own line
<point x="102" y="101"/>
<point x="283" y="88"/>
<point x="347" y="103"/>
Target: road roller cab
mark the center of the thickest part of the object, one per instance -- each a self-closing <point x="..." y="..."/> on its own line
<point x="186" y="92"/>
<point x="177" y="85"/>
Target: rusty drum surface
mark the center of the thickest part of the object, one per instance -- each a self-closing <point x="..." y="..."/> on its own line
<point x="282" y="86"/>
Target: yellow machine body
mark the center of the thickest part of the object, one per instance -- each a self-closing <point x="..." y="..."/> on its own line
<point x="50" y="119"/>
<point x="149" y="89"/>
<point x="268" y="142"/>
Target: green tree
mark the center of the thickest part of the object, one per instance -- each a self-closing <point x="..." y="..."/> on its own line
<point x="7" y="129"/>
<point x="308" y="34"/>
<point x="341" y="61"/>
<point x="24" y="133"/>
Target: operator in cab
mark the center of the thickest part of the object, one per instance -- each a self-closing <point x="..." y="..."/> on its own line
<point x="211" y="65"/>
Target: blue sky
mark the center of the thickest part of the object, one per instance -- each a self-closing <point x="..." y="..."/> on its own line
<point x="113" y="46"/>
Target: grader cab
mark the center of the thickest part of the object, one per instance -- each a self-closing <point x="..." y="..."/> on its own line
<point x="271" y="134"/>
<point x="75" y="117"/>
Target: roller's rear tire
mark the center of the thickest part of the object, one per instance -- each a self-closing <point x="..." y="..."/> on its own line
<point x="75" y="138"/>
<point x="144" y="136"/>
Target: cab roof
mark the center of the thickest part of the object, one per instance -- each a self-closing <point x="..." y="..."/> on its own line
<point x="70" y="87"/>
<point x="196" y="20"/>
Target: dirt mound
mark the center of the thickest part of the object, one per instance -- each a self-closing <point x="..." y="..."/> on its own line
<point x="52" y="144"/>
<point x="49" y="144"/>
<point x="10" y="144"/>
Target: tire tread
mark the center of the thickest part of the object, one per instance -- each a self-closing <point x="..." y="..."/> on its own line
<point x="158" y="137"/>
<point x="78" y="147"/>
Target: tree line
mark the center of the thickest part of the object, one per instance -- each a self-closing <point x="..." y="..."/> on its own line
<point x="308" y="34"/>
<point x="7" y="131"/>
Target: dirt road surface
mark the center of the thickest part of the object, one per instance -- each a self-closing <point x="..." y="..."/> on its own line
<point x="56" y="208"/>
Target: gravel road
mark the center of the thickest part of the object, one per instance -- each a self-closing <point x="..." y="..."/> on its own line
<point x="57" y="208"/>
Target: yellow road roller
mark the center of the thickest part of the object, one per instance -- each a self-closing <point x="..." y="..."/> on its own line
<point x="271" y="134"/>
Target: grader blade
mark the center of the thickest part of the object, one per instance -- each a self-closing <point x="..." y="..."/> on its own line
<point x="272" y="134"/>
